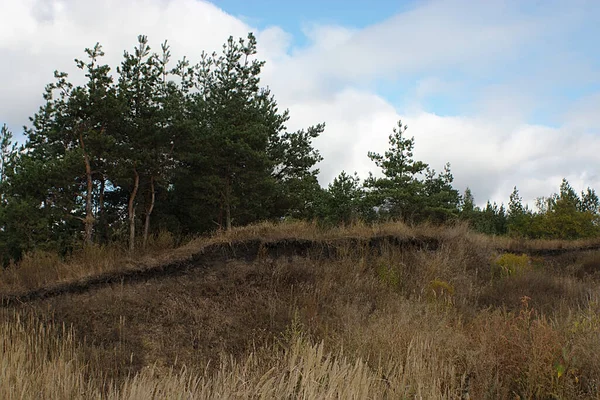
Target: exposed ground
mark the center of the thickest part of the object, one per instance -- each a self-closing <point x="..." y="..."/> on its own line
<point x="294" y="311"/>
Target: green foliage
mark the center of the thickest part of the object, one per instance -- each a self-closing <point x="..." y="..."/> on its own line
<point x="190" y="148"/>
<point x="441" y="200"/>
<point x="519" y="217"/>
<point x="388" y="275"/>
<point x="467" y="204"/>
<point x="237" y="156"/>
<point x="294" y="159"/>
<point x="563" y="215"/>
<point x="8" y="151"/>
<point x="397" y="192"/>
<point x="343" y="201"/>
<point x="589" y="202"/>
<point x="509" y="264"/>
<point x="402" y="193"/>
<point x="491" y="220"/>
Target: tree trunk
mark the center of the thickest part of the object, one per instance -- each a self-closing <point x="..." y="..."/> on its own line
<point x="149" y="211"/>
<point x="101" y="211"/>
<point x="131" y="210"/>
<point x="228" y="205"/>
<point x="89" y="213"/>
<point x="228" y="216"/>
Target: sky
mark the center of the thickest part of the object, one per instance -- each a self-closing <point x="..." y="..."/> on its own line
<point x="506" y="91"/>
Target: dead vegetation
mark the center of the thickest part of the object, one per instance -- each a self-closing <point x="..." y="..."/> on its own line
<point x="337" y="318"/>
<point x="45" y="270"/>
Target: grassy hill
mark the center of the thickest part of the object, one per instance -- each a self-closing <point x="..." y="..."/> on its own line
<point x="295" y="311"/>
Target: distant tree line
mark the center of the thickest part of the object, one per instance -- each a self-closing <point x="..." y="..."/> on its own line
<point x="563" y="215"/>
<point x="190" y="148"/>
<point x="412" y="192"/>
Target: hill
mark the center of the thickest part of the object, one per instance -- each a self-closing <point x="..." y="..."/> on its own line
<point x="292" y="310"/>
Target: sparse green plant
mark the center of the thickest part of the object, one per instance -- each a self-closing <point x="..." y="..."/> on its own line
<point x="388" y="275"/>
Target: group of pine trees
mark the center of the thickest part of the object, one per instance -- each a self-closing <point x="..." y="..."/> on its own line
<point x="183" y="147"/>
<point x="190" y="148"/>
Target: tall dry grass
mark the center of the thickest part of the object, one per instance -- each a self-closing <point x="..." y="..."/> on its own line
<point x="40" y="361"/>
<point x="497" y="355"/>
<point x="43" y="362"/>
<point x="42" y="268"/>
<point x="392" y="323"/>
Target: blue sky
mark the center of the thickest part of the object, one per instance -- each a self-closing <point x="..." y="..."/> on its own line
<point x="293" y="16"/>
<point x="579" y="39"/>
<point x="507" y="91"/>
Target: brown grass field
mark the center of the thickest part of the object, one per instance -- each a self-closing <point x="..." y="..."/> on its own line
<point x="294" y="311"/>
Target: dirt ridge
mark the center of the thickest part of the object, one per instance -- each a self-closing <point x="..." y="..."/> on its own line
<point x="249" y="250"/>
<point x="547" y="252"/>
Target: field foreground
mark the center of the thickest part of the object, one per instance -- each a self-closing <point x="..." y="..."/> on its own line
<point x="291" y="311"/>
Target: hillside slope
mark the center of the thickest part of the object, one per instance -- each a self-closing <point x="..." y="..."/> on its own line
<point x="438" y="313"/>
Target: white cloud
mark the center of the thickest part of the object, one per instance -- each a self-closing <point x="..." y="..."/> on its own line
<point x="491" y="149"/>
<point x="356" y="122"/>
<point x="432" y="85"/>
<point x="327" y="37"/>
<point x="486" y="155"/>
<point x="584" y="114"/>
<point x="435" y="36"/>
<point x="39" y="36"/>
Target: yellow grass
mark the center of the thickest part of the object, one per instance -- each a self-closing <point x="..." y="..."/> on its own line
<point x="43" y="362"/>
<point x="39" y="361"/>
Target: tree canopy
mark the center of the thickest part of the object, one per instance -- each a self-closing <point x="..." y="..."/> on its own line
<point x="193" y="147"/>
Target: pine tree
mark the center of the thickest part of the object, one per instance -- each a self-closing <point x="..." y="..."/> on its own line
<point x="145" y="139"/>
<point x="342" y="200"/>
<point x="7" y="150"/>
<point x="467" y="204"/>
<point x="237" y="154"/>
<point x="294" y="159"/>
<point x="565" y="220"/>
<point x="189" y="146"/>
<point x="93" y="108"/>
<point x="517" y="218"/>
<point x="398" y="192"/>
<point x="441" y="199"/>
<point x="589" y="202"/>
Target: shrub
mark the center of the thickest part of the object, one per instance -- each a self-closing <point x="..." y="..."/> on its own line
<point x="509" y="264"/>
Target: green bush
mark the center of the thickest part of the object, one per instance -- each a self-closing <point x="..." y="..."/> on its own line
<point x="509" y="264"/>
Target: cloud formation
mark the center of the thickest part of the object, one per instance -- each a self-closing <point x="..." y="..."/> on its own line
<point x="475" y="81"/>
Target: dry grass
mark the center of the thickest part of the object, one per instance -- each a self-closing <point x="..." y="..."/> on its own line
<point x="527" y="245"/>
<point x="40" y="269"/>
<point x="364" y="324"/>
<point x="39" y="361"/>
<point x="42" y="362"/>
